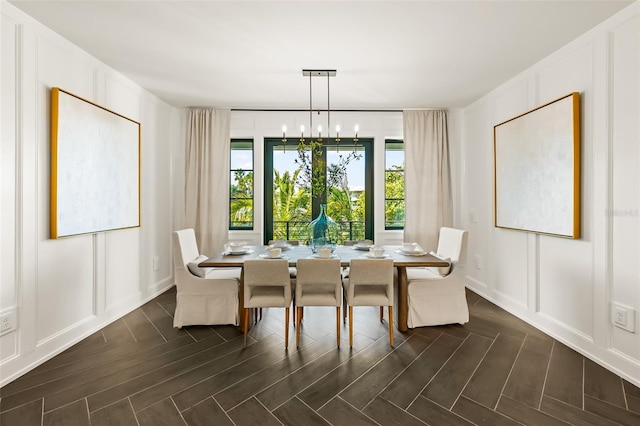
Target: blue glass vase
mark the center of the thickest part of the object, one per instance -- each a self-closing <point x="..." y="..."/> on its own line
<point x="322" y="231"/>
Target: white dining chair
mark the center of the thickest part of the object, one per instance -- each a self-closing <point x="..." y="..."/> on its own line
<point x="370" y="283"/>
<point x="436" y="296"/>
<point x="267" y="285"/>
<point x="204" y="296"/>
<point x="318" y="283"/>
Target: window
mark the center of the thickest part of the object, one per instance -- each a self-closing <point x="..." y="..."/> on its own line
<point x="241" y="188"/>
<point x="394" y="184"/>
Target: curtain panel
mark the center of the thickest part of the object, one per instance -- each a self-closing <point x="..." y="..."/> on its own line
<point x="428" y="199"/>
<point x="207" y="177"/>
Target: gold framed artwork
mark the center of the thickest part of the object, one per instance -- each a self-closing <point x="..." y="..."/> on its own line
<point x="95" y="167"/>
<point x="537" y="169"/>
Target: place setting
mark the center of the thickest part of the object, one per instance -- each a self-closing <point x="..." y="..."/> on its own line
<point x="324" y="252"/>
<point x="364" y="245"/>
<point x="411" y="249"/>
<point x="236" y="248"/>
<point x="376" y="253"/>
<point x="273" y="253"/>
<point x="281" y="244"/>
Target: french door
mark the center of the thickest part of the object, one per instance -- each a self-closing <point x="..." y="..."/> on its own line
<point x="338" y="174"/>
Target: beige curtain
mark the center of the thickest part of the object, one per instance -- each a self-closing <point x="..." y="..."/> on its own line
<point x="428" y="200"/>
<point x="207" y="177"/>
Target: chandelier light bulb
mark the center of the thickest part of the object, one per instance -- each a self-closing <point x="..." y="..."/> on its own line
<point x="302" y="129"/>
<point x="337" y="129"/>
<point x="284" y="129"/>
<point x="356" y="128"/>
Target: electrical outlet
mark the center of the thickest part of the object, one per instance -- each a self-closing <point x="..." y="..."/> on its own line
<point x="7" y="322"/>
<point x="156" y="263"/>
<point x="623" y="316"/>
<point x="473" y="216"/>
<point x="478" y="261"/>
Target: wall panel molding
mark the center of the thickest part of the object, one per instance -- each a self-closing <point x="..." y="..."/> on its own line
<point x="61" y="285"/>
<point x="570" y="285"/>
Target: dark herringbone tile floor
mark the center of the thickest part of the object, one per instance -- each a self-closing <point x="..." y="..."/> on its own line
<point x="495" y="370"/>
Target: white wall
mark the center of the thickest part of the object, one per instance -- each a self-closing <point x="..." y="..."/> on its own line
<point x="260" y="124"/>
<point x="565" y="287"/>
<point x="62" y="290"/>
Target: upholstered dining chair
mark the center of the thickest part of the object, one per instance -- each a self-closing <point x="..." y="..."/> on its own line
<point x="267" y="285"/>
<point x="204" y="296"/>
<point x="436" y="296"/>
<point x="370" y="283"/>
<point x="318" y="283"/>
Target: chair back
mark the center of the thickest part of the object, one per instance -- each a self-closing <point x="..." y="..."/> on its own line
<point x="371" y="272"/>
<point x="317" y="277"/>
<point x="374" y="272"/>
<point x="185" y="247"/>
<point x="267" y="274"/>
<point x="318" y="271"/>
<point x="452" y="243"/>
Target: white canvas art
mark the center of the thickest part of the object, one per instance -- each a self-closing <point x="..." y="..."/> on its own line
<point x="537" y="170"/>
<point x="95" y="173"/>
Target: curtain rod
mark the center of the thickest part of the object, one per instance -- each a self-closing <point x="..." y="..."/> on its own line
<point x="314" y="110"/>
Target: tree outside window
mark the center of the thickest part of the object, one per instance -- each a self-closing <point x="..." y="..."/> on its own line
<point x="241" y="189"/>
<point x="394" y="184"/>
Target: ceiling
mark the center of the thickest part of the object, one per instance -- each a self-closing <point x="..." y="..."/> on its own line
<point x="388" y="54"/>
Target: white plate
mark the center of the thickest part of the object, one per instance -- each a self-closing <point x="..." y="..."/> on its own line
<point x="317" y="256"/>
<point x="412" y="253"/>
<point x="266" y="256"/>
<point x="237" y="253"/>
<point x="371" y="256"/>
<point x="359" y="247"/>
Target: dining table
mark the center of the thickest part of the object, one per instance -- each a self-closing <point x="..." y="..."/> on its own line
<point x="401" y="261"/>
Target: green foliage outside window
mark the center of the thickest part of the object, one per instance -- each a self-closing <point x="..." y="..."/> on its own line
<point x="241" y="206"/>
<point x="292" y="208"/>
<point x="394" y="197"/>
<point x="394" y="184"/>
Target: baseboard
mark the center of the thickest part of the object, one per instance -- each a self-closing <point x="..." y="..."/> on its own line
<point x="17" y="366"/>
<point x="612" y="360"/>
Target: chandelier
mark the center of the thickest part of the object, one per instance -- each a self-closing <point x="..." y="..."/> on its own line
<point x="311" y="73"/>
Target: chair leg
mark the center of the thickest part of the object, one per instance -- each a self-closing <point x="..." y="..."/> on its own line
<point x="294" y="313"/>
<point x="338" y="325"/>
<point x="344" y="308"/>
<point x="381" y="313"/>
<point x="350" y="326"/>
<point x="286" y="327"/>
<point x="391" y="325"/>
<point x="298" y="327"/>
<point x="246" y="325"/>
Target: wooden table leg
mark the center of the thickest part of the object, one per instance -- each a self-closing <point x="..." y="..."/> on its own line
<point x="400" y="301"/>
<point x="241" y="301"/>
